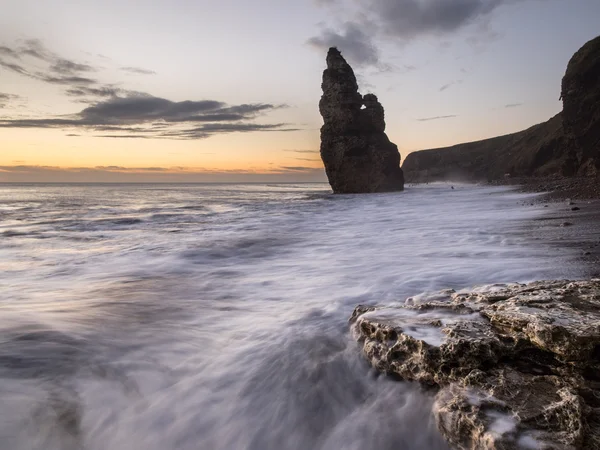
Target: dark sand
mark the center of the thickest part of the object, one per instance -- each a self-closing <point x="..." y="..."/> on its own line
<point x="574" y="225"/>
<point x="573" y="219"/>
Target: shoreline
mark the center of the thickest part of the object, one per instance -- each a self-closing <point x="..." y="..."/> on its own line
<point x="483" y="350"/>
<point x="573" y="221"/>
<point x="572" y="225"/>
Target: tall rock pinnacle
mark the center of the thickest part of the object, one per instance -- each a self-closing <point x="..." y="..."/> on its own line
<point x="357" y="154"/>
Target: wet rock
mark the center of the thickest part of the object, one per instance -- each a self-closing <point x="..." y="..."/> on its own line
<point x="356" y="152"/>
<point x="516" y="366"/>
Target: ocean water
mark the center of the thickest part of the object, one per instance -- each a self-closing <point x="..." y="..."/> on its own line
<point x="184" y="317"/>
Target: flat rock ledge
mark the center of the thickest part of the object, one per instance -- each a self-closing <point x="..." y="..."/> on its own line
<point x="516" y="366"/>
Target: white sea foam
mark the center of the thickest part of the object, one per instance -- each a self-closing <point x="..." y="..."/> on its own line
<point x="215" y="316"/>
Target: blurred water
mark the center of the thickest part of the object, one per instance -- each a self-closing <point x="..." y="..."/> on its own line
<point x="215" y="316"/>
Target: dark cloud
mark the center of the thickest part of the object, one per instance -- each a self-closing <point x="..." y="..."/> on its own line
<point x="7" y="98"/>
<point x="402" y="21"/>
<point x="513" y="105"/>
<point x="145" y="116"/>
<point x="352" y="40"/>
<point x="64" y="66"/>
<point x="138" y="71"/>
<point x="14" y="67"/>
<point x="58" y="71"/>
<point x="90" y="91"/>
<point x="143" y="108"/>
<point x="427" y="119"/>
<point x="65" y="80"/>
<point x="119" y="113"/>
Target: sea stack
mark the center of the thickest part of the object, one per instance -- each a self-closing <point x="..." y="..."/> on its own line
<point x="356" y="152"/>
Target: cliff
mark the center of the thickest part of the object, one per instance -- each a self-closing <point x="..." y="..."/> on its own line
<point x="566" y="145"/>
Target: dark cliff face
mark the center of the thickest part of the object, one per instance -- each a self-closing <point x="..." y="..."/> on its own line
<point x="357" y="154"/>
<point x="566" y="145"/>
<point x="581" y="107"/>
<point x="537" y="151"/>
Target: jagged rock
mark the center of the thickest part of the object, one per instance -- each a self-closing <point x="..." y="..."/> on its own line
<point x="581" y="107"/>
<point x="356" y="152"/>
<point x="517" y="366"/>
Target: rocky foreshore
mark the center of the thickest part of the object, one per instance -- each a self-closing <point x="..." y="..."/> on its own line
<point x="516" y="366"/>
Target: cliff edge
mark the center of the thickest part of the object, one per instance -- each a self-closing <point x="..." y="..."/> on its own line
<point x="566" y="145"/>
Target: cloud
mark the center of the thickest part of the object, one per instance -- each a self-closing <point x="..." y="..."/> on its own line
<point x="32" y="173"/>
<point x="302" y="151"/>
<point x="401" y="21"/>
<point x="427" y="119"/>
<point x="7" y="98"/>
<point x="513" y="105"/>
<point x="307" y="159"/>
<point x="299" y="169"/>
<point x="120" y="113"/>
<point x="4" y="97"/>
<point x="448" y="85"/>
<point x="352" y="40"/>
<point x="145" y="117"/>
<point x="59" y="70"/>
<point x="138" y="71"/>
<point x="64" y="66"/>
<point x="35" y="48"/>
<point x="73" y="75"/>
<point x="6" y="51"/>
<point x="100" y="91"/>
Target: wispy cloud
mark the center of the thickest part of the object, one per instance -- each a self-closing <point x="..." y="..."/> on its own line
<point x="58" y="70"/>
<point x="138" y="71"/>
<point x="115" y="112"/>
<point x="8" y="98"/>
<point x="308" y="159"/>
<point x="302" y="151"/>
<point x="513" y="105"/>
<point x="427" y="119"/>
<point x="33" y="173"/>
<point x="449" y="85"/>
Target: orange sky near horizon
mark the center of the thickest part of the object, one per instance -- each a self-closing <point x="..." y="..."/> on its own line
<point x="66" y="80"/>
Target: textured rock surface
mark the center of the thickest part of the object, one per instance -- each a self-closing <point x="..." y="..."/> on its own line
<point x="581" y="107"/>
<point x="517" y="366"/>
<point x="356" y="152"/>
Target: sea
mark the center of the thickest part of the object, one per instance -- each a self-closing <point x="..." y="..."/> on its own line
<point x="215" y="316"/>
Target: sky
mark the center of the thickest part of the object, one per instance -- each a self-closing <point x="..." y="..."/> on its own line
<point x="198" y="90"/>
